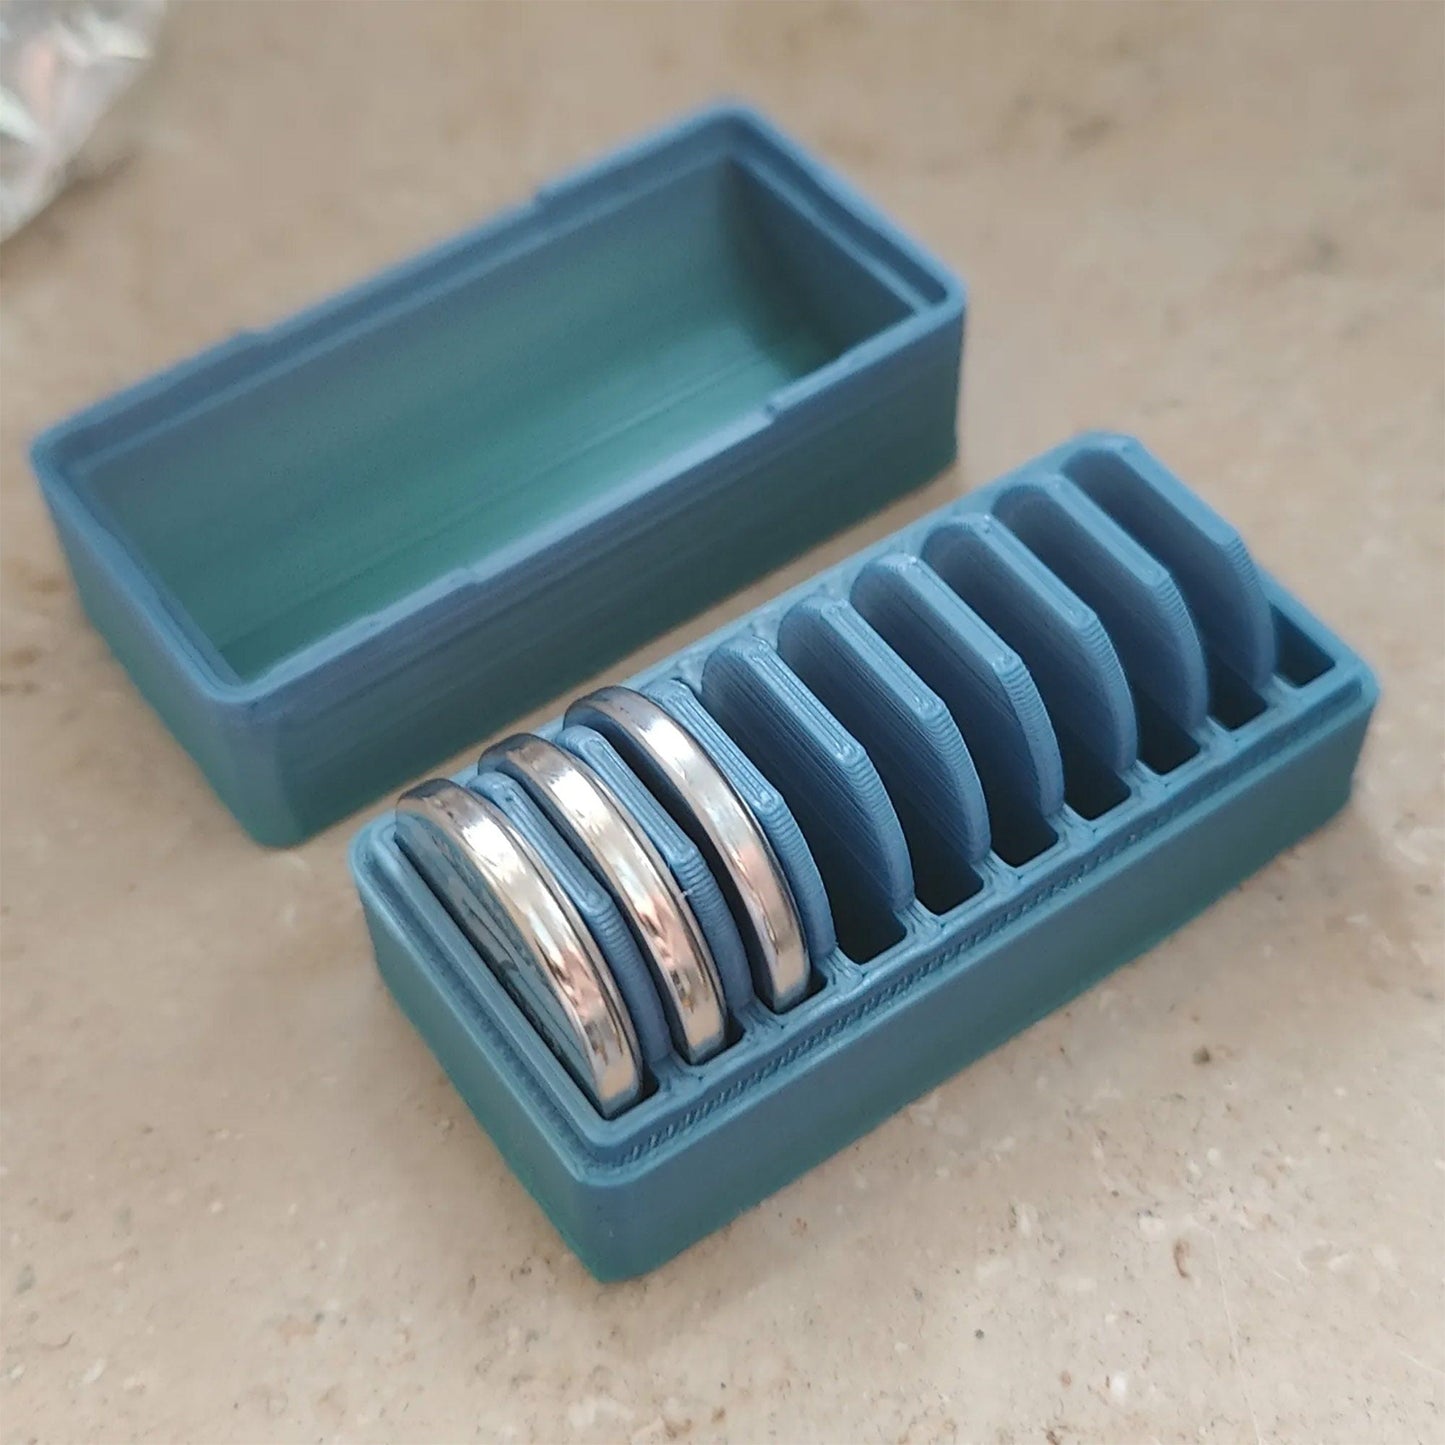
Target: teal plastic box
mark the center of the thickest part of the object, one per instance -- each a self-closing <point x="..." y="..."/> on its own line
<point x="1002" y="753"/>
<point x="335" y="551"/>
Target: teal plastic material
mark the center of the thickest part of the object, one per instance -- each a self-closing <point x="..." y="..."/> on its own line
<point x="1004" y="751"/>
<point x="331" y="553"/>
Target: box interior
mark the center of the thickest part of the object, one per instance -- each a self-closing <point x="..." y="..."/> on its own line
<point x="464" y="421"/>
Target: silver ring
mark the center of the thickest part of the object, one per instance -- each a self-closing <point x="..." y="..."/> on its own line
<point x="528" y="931"/>
<point x="709" y="810"/>
<point x="632" y="870"/>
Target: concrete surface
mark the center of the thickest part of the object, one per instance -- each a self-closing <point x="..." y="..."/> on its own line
<point x="240" y="1201"/>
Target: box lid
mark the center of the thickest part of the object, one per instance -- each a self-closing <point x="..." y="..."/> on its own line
<point x="334" y="552"/>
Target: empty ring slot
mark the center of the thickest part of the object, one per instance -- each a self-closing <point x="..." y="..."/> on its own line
<point x="767" y="806"/>
<point x="1232" y="701"/>
<point x="1063" y="645"/>
<point x="830" y="784"/>
<point x="1135" y="598"/>
<point x="985" y="685"/>
<point x="680" y="854"/>
<point x="599" y="913"/>
<point x="1301" y="658"/>
<point x="908" y="733"/>
<point x="1205" y="555"/>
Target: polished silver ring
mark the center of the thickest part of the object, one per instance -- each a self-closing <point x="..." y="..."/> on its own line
<point x="528" y="931"/>
<point x="708" y="808"/>
<point x="625" y="859"/>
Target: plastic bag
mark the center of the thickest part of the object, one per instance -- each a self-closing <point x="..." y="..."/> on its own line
<point x="63" y="66"/>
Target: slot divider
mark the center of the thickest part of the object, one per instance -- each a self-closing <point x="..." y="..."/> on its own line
<point x="829" y="782"/>
<point x="1137" y="600"/>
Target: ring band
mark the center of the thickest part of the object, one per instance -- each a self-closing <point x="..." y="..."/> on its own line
<point x="624" y="858"/>
<point x="707" y="807"/>
<point x="528" y="931"/>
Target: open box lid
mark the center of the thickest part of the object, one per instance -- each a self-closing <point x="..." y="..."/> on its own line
<point x="332" y="553"/>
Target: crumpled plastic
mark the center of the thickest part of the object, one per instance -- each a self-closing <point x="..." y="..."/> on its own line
<point x="64" y="65"/>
